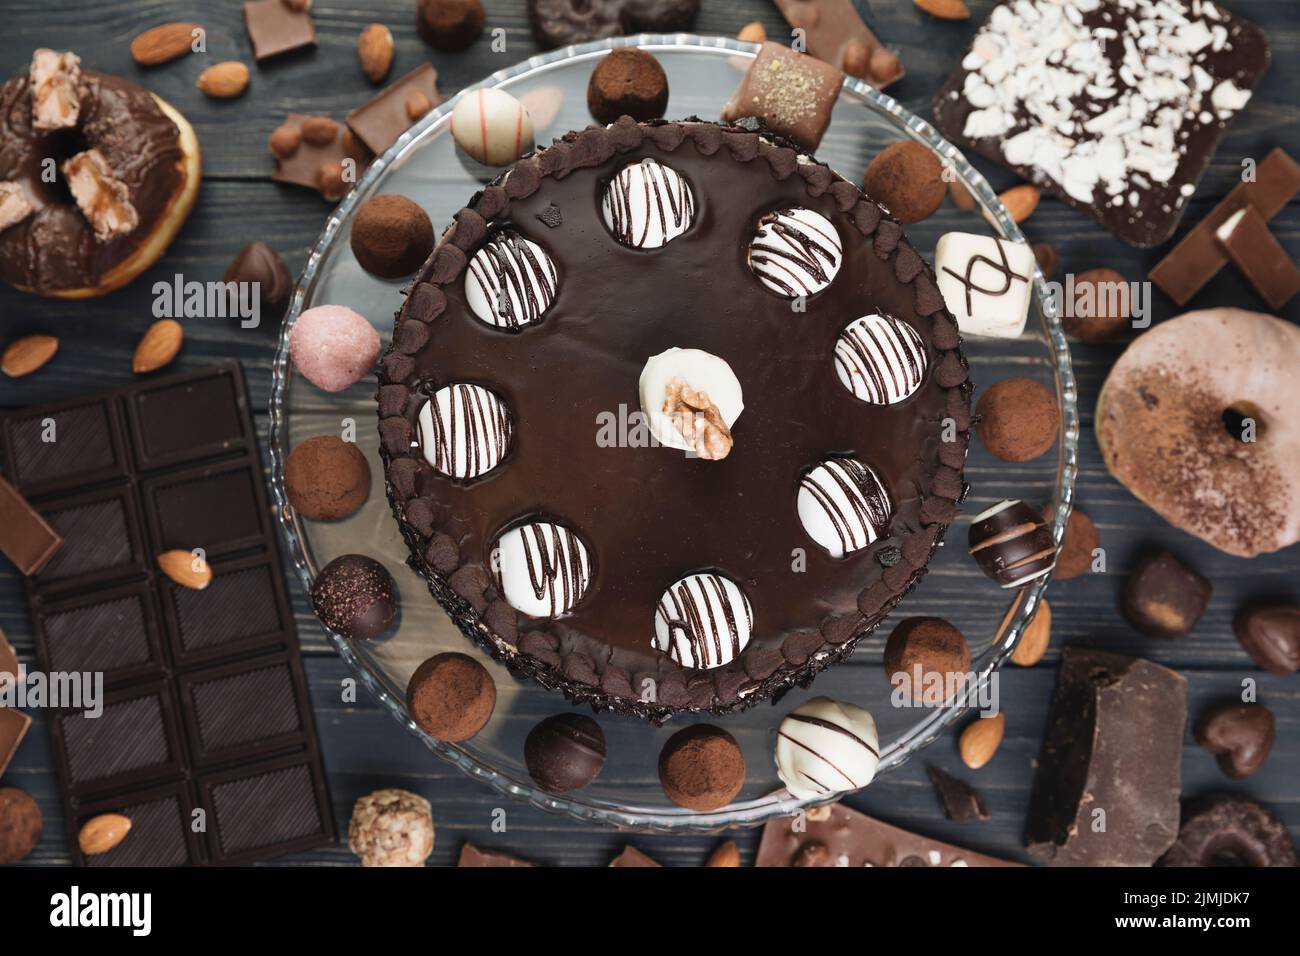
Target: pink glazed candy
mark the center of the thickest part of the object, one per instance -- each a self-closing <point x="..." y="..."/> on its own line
<point x="333" y="346"/>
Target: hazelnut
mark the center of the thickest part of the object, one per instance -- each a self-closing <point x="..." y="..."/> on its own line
<point x="857" y="60"/>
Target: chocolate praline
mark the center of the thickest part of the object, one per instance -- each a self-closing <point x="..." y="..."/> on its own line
<point x="1271" y="636"/>
<point x="565" y="752"/>
<point x="450" y="25"/>
<point x="451" y="696"/>
<point x="1012" y="544"/>
<point x="1019" y="419"/>
<point x="627" y="82"/>
<point x="326" y="478"/>
<point x="355" y="596"/>
<point x="391" y="236"/>
<point x="701" y="768"/>
<point x="258" y="262"/>
<point x="933" y="650"/>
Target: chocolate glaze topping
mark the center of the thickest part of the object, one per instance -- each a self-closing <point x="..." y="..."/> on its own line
<point x="650" y="514"/>
<point x="55" y="247"/>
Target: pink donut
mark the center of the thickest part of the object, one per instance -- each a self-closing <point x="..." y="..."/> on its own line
<point x="333" y="346"/>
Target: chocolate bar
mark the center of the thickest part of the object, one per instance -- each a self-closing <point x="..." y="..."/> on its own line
<point x="305" y="166"/>
<point x="1110" y="770"/>
<point x="1116" y="106"/>
<point x="274" y="27"/>
<point x="1255" y="251"/>
<point x="25" y="537"/>
<point x="836" y="34"/>
<point x="1198" y="257"/>
<point x="836" y="835"/>
<point x="470" y="855"/>
<point x="206" y="739"/>
<point x="388" y="114"/>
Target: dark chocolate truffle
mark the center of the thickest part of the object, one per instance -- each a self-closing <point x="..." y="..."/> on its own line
<point x="451" y="696"/>
<point x="1101" y="311"/>
<point x="907" y="179"/>
<point x="931" y="648"/>
<point x="449" y="25"/>
<point x="1080" y="541"/>
<point x="20" y="825"/>
<point x="258" y="262"/>
<point x="326" y="478"/>
<point x="355" y="596"/>
<point x="627" y="81"/>
<point x="1012" y="544"/>
<point x="1018" y="419"/>
<point x="1239" y="735"/>
<point x="701" y="768"/>
<point x="1271" y="636"/>
<point x="1163" y="597"/>
<point x="391" y="236"/>
<point x="565" y="752"/>
<point x="1227" y="830"/>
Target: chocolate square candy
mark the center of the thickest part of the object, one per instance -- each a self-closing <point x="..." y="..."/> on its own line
<point x="1110" y="770"/>
<point x="182" y="418"/>
<point x="161" y="834"/>
<point x="243" y="608"/>
<point x="278" y="805"/>
<point x="62" y="446"/>
<point x="134" y="742"/>
<point x="274" y="28"/>
<point x="791" y="93"/>
<point x="115" y="632"/>
<point x="102" y="540"/>
<point x="241" y="711"/>
<point x="1163" y="597"/>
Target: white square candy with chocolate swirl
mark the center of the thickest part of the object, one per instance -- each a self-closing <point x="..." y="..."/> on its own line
<point x="986" y="282"/>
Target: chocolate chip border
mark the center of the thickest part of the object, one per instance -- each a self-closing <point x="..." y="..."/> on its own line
<point x="466" y="591"/>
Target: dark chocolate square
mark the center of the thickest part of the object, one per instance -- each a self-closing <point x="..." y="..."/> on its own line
<point x="258" y="810"/>
<point x="102" y="540"/>
<point x="183" y="418"/>
<point x="162" y="829"/>
<point x="241" y="711"/>
<point x="219" y="508"/>
<point x="134" y="742"/>
<point x="68" y="445"/>
<point x="115" y="632"/>
<point x="244" y="607"/>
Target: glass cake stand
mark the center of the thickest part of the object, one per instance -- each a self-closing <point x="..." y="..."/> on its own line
<point x="423" y="165"/>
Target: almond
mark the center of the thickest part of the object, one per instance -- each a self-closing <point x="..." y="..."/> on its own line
<point x="224" y="81"/>
<point x="158" y="346"/>
<point x="752" y="33"/>
<point x="285" y="140"/>
<point x="375" y="50"/>
<point x="1021" y="200"/>
<point x="186" y="569"/>
<point x="979" y="741"/>
<point x="319" y="130"/>
<point x="1033" y="643"/>
<point x="945" y="9"/>
<point x="100" y="834"/>
<point x="727" y="855"/>
<point x="960" y="195"/>
<point x="24" y="356"/>
<point x="163" y="43"/>
<point x="416" y="105"/>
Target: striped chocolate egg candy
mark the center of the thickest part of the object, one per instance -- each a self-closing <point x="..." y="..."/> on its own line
<point x="880" y="359"/>
<point x="1011" y="544"/>
<point x="825" y="746"/>
<point x="704" y="620"/>
<point x="464" y="430"/>
<point x="511" y="281"/>
<point x="843" y="505"/>
<point x="795" y="252"/>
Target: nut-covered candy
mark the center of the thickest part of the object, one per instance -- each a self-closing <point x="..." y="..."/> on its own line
<point x="391" y="828"/>
<point x="795" y="252"/>
<point x="543" y="568"/>
<point x="825" y="746"/>
<point x="492" y="126"/>
<point x="843" y="505"/>
<point x="1012" y="544"/>
<point x="927" y="659"/>
<point x="333" y="346"/>
<point x="648" y="204"/>
<point x="1239" y="735"/>
<point x="703" y="620"/>
<point x="1271" y="636"/>
<point x="691" y="400"/>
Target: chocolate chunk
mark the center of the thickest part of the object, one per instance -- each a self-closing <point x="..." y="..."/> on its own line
<point x="258" y="262"/>
<point x="1239" y="735"/>
<point x="1163" y="597"/>
<point x="1253" y="249"/>
<point x="25" y="537"/>
<point x="275" y="27"/>
<point x="355" y="596"/>
<point x="388" y="114"/>
<point x="1110" y="769"/>
<point x="451" y="696"/>
<point x="835" y="33"/>
<point x="1012" y="544"/>
<point x="628" y="81"/>
<point x="565" y="752"/>
<point x="471" y="855"/>
<point x="450" y="25"/>
<point x="1271" y="636"/>
<point x="1229" y="830"/>
<point x="958" y="799"/>
<point x="791" y="93"/>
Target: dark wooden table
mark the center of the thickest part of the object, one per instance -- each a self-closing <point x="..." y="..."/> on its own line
<point x="363" y="748"/>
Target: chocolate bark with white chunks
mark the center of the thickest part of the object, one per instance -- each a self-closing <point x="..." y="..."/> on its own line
<point x="1110" y="769"/>
<point x="1116" y="107"/>
<point x="681" y="516"/>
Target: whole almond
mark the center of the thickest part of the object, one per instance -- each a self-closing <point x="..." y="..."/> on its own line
<point x="1021" y="200"/>
<point x="752" y="33"/>
<point x="960" y="195"/>
<point x="186" y="569"/>
<point x="375" y="50"/>
<point x="329" y="180"/>
<point x="980" y="740"/>
<point x="158" y="346"/>
<point x="24" y="356"/>
<point x="416" y="105"/>
<point x="100" y="834"/>
<point x="163" y="43"/>
<point x="285" y="140"/>
<point x="945" y="9"/>
<point x="1033" y="643"/>
<point x="224" y="81"/>
<point x="727" y="855"/>
<point x="319" y="130"/>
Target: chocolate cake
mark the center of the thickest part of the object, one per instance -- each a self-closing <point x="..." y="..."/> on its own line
<point x="634" y="290"/>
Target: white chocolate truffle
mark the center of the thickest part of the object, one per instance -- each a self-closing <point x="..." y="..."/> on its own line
<point x="492" y="126"/>
<point x="511" y="281"/>
<point x="391" y="828"/>
<point x="543" y="568"/>
<point x="880" y="359"/>
<point x="986" y="282"/>
<point x="703" y="621"/>
<point x="464" y="430"/>
<point x="795" y="252"/>
<point x="662" y="379"/>
<point x="843" y="505"/>
<point x="825" y="746"/>
<point x="647" y="205"/>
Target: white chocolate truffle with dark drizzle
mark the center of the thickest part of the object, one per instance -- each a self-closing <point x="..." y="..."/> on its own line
<point x="464" y="430"/>
<point x="795" y="252"/>
<point x="511" y="281"/>
<point x="543" y="569"/>
<point x="880" y="359"/>
<point x="825" y="746"/>
<point x="647" y="205"/>
<point x="843" y="505"/>
<point x="703" y="621"/>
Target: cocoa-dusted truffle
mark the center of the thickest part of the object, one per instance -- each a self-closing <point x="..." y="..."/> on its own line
<point x="907" y="178"/>
<point x="1080" y="540"/>
<point x="355" y="596"/>
<point x="1101" y="310"/>
<point x="565" y="752"/>
<point x="1163" y="597"/>
<point x="450" y="25"/>
<point x="391" y="236"/>
<point x="1271" y="636"/>
<point x="701" y="768"/>
<point x="258" y="262"/>
<point x="1018" y="419"/>
<point x="326" y="478"/>
<point x="21" y="824"/>
<point x="627" y="81"/>
<point x="451" y="696"/>
<point x="927" y="659"/>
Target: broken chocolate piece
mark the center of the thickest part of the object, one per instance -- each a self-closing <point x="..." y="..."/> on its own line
<point x="25" y="537"/>
<point x="1163" y="597"/>
<point x="13" y="728"/>
<point x="14" y="205"/>
<point x="631" y="856"/>
<point x="836" y="34"/>
<point x="838" y="836"/>
<point x="331" y="166"/>
<point x="1254" y="250"/>
<point x="1110" y="769"/>
<point x="55" y="82"/>
<point x="102" y="198"/>
<point x="793" y="94"/>
<point x="470" y="855"/>
<point x="276" y="26"/>
<point x="959" y="800"/>
<point x="391" y="112"/>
